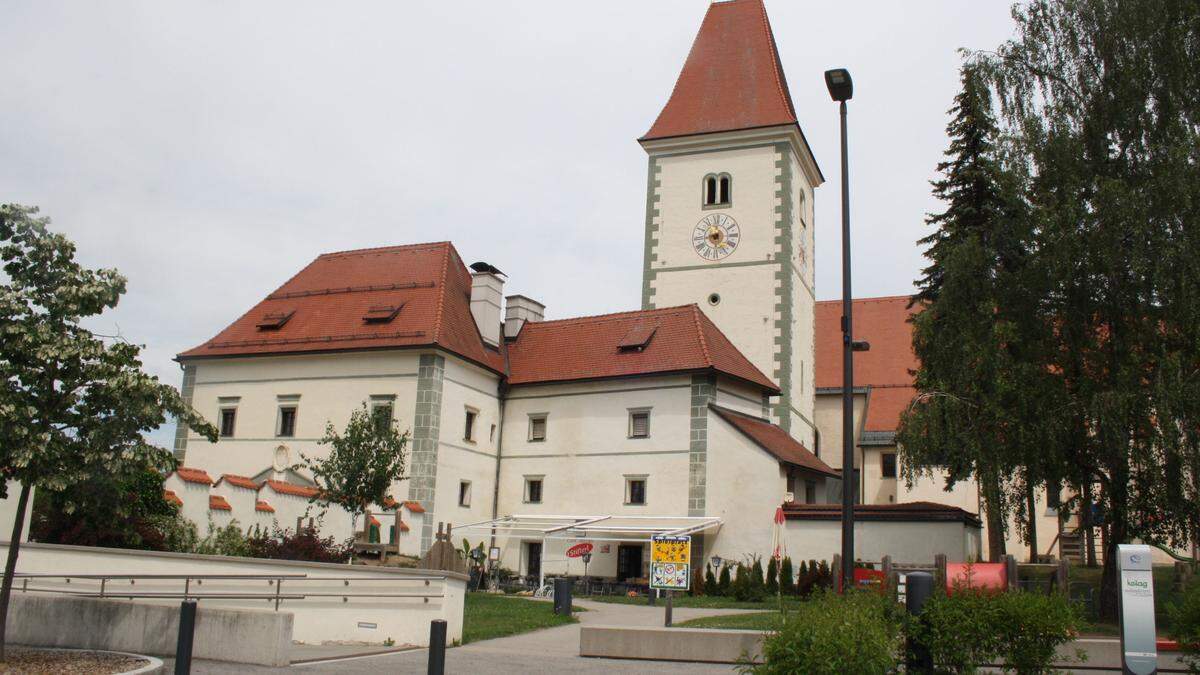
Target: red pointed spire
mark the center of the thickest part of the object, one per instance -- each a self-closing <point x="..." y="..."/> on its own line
<point x="732" y="78"/>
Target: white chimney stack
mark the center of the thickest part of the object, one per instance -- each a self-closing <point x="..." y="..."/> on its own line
<point x="517" y="310"/>
<point x="487" y="291"/>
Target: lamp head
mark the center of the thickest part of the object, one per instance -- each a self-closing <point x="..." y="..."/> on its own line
<point x="841" y="87"/>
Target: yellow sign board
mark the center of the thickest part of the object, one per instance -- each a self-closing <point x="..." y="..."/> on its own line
<point x="670" y="563"/>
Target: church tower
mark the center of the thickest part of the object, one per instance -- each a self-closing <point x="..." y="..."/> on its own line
<point x="729" y="204"/>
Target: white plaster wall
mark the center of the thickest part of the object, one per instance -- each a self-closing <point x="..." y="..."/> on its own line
<point x="876" y="488"/>
<point x="241" y="499"/>
<point x="195" y="500"/>
<point x="829" y="421"/>
<point x="466" y="386"/>
<point x="330" y="387"/>
<point x="741" y="397"/>
<point x="8" y="512"/>
<point x="905" y="542"/>
<point x="745" y="485"/>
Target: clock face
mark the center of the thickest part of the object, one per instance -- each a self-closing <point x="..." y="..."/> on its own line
<point x="716" y="236"/>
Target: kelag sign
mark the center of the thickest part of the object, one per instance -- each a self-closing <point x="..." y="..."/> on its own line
<point x="1139" y="651"/>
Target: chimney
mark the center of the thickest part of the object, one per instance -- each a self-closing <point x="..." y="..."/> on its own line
<point x="517" y="310"/>
<point x="487" y="290"/>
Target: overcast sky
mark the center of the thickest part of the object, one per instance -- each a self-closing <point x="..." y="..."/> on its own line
<point x="209" y="150"/>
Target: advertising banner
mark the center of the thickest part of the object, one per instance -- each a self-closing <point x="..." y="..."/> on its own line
<point x="670" y="563"/>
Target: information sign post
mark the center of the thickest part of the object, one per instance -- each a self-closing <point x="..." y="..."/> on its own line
<point x="1139" y="648"/>
<point x="670" y="567"/>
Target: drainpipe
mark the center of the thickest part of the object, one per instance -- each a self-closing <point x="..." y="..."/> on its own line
<point x="501" y="394"/>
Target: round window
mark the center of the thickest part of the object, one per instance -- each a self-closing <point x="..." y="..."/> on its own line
<point x="714" y="299"/>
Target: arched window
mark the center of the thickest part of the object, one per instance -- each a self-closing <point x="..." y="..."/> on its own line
<point x="716" y="190"/>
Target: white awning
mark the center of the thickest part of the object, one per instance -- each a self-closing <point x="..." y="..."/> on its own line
<point x="595" y="528"/>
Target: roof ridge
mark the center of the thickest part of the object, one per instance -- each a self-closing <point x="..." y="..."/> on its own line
<point x="382" y="249"/>
<point x="780" y="77"/>
<point x="441" y="302"/>
<point x="679" y="77"/>
<point x="878" y="298"/>
<point x="700" y="332"/>
<point x="609" y="316"/>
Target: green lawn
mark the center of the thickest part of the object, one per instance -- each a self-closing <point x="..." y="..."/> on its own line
<point x="703" y="601"/>
<point x="1083" y="579"/>
<point x="750" y="621"/>
<point x="487" y="616"/>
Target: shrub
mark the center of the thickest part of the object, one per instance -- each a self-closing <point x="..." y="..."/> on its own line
<point x="710" y="581"/>
<point x="1184" y="615"/>
<point x="802" y="581"/>
<point x="697" y="586"/>
<point x="304" y="545"/>
<point x="853" y="633"/>
<point x="227" y="540"/>
<point x="772" y="577"/>
<point x="758" y="589"/>
<point x="787" y="582"/>
<point x="1021" y="630"/>
<point x="724" y="587"/>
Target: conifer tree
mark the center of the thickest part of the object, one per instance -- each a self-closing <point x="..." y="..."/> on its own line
<point x="787" y="581"/>
<point x="710" y="581"/>
<point x="724" y="586"/>
<point x="772" y="577"/>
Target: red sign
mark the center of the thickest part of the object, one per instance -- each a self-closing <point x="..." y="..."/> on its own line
<point x="868" y="578"/>
<point x="980" y="576"/>
<point x="578" y="550"/>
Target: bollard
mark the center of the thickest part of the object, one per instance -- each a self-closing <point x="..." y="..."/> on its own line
<point x="651" y="595"/>
<point x="562" y="597"/>
<point x="437" y="647"/>
<point x="667" y="617"/>
<point x="918" y="589"/>
<point x="187" y="631"/>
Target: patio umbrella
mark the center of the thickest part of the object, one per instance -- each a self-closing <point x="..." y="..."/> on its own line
<point x="778" y="548"/>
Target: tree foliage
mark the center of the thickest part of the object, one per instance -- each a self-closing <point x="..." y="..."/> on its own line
<point x="120" y="509"/>
<point x="74" y="405"/>
<point x="364" y="462"/>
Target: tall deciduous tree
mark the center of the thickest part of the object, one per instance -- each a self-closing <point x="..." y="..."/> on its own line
<point x="72" y="404"/>
<point x="1104" y="97"/>
<point x="363" y="463"/>
<point x="977" y="323"/>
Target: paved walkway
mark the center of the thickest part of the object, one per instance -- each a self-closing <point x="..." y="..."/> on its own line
<point x="544" y="651"/>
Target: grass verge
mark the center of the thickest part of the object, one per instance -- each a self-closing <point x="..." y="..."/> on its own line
<point x="700" y="601"/>
<point x="487" y="616"/>
<point x="754" y="621"/>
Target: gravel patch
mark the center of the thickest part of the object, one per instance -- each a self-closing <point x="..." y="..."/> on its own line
<point x="38" y="661"/>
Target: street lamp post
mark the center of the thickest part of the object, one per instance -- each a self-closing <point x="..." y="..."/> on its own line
<point x="841" y="89"/>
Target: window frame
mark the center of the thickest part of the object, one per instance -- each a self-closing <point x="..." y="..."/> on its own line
<point x="527" y="493"/>
<point x="713" y="199"/>
<point x="470" y="421"/>
<point x="635" y="412"/>
<point x="630" y="479"/>
<point x="534" y="418"/>
<point x="464" y="490"/>
<point x="230" y="410"/>
<point x="379" y="401"/>
<point x="883" y="466"/>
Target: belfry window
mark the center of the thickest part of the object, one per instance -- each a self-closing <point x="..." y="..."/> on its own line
<point x="717" y="190"/>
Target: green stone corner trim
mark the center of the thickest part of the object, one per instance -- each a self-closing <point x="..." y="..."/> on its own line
<point x="784" y="299"/>
<point x="186" y="390"/>
<point x="427" y="424"/>
<point x="653" y="183"/>
<point x="704" y="392"/>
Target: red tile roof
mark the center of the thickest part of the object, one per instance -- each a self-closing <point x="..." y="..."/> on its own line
<point x="333" y="293"/>
<point x="173" y="498"/>
<point x="261" y="505"/>
<point x="193" y="475"/>
<point x="292" y="489"/>
<point x="685" y="340"/>
<point x="375" y="521"/>
<point x="403" y="526"/>
<point x="218" y="503"/>
<point x="240" y="481"/>
<point x="415" y="507"/>
<point x="774" y="440"/>
<point x="732" y="78"/>
<point x="886" y="368"/>
<point x="906" y="512"/>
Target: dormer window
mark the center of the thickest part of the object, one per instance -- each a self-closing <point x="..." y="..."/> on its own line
<point x="717" y="190"/>
<point x="381" y="313"/>
<point x="274" y="320"/>
<point x="637" y="339"/>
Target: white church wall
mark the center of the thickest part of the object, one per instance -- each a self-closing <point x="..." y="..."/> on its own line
<point x="906" y="542"/>
<point x="741" y="397"/>
<point x="195" y="500"/>
<point x="329" y="387"/>
<point x="745" y="485"/>
<point x="241" y="499"/>
<point x="829" y="420"/>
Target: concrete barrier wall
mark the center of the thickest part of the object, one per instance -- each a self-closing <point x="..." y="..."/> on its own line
<point x="331" y="612"/>
<point x="237" y="635"/>
<point x="671" y="644"/>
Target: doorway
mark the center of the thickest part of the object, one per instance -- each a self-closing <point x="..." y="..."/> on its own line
<point x="533" y="559"/>
<point x="629" y="561"/>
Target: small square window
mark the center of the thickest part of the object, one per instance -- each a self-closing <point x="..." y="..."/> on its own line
<point x="469" y="426"/>
<point x="533" y="490"/>
<point x="228" y="418"/>
<point x="888" y="464"/>
<point x="537" y="427"/>
<point x="464" y="493"/>
<point x="635" y="490"/>
<point x="382" y="413"/>
<point x="287" y="421"/>
<point x="639" y="423"/>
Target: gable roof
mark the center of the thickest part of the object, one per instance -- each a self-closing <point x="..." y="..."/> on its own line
<point x="218" y="503"/>
<point x="886" y="368"/>
<point x="292" y="489"/>
<point x="732" y="78"/>
<point x="326" y="303"/>
<point x="774" y="440"/>
<point x="190" y="475"/>
<point x="239" y="481"/>
<point x="684" y="340"/>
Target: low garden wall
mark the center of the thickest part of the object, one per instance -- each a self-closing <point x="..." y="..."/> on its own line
<point x="235" y="635"/>
<point x="340" y="602"/>
<point x="670" y="644"/>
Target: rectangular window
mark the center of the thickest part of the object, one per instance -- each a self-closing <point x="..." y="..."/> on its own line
<point x="492" y="434"/>
<point x="639" y="423"/>
<point x="533" y="489"/>
<point x="464" y="493"/>
<point x="887" y="464"/>
<point x="228" y="417"/>
<point x="537" y="427"/>
<point x="287" y="421"/>
<point x="1053" y="500"/>
<point x="635" y="490"/>
<point x="382" y="413"/>
<point x="810" y="492"/>
<point x="469" y="427"/>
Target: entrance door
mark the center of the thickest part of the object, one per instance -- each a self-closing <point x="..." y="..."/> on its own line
<point x="533" y="559"/>
<point x="629" y="562"/>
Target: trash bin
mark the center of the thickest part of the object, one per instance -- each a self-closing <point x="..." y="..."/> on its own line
<point x="562" y="597"/>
